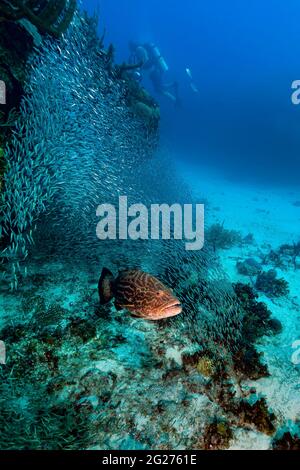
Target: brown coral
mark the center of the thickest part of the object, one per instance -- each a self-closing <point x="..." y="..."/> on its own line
<point x="49" y="16"/>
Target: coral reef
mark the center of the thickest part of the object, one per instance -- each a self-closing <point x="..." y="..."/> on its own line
<point x="150" y="114"/>
<point x="38" y="425"/>
<point x="257" y="322"/>
<point x="217" y="435"/>
<point x="292" y="252"/>
<point x="205" y="366"/>
<point x="286" y="442"/>
<point x="49" y="16"/>
<point x="221" y="238"/>
<point x="223" y="387"/>
<point x="16" y="46"/>
<point x="38" y="156"/>
<point x="248" y="239"/>
<point x="141" y="101"/>
<point x="257" y="319"/>
<point x="250" y="267"/>
<point x="87" y="123"/>
<point x="64" y="381"/>
<point x="83" y="358"/>
<point x="19" y="37"/>
<point x="272" y="286"/>
<point x="285" y="256"/>
<point x="257" y="414"/>
<point x="86" y="109"/>
<point x="91" y="98"/>
<point x="2" y="166"/>
<point x="19" y="40"/>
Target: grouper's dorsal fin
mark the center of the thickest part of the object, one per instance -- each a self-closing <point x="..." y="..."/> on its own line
<point x="105" y="286"/>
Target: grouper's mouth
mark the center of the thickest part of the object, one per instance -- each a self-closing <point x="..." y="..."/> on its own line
<point x="172" y="308"/>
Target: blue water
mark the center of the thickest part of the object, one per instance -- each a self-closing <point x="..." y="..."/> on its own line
<point x="244" y="57"/>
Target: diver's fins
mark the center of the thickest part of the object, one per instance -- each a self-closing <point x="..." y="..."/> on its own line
<point x="105" y="286"/>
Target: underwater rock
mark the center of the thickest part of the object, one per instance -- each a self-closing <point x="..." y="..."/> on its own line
<point x="201" y="362"/>
<point x="243" y="412"/>
<point x="257" y="319"/>
<point x="249" y="239"/>
<point x="257" y="414"/>
<point x="16" y="45"/>
<point x="12" y="333"/>
<point x="81" y="328"/>
<point x="97" y="382"/>
<point x="2" y="165"/>
<point x="217" y="435"/>
<point x="33" y="303"/>
<point x="249" y="267"/>
<point x="57" y="384"/>
<point x="257" y="322"/>
<point x="149" y="114"/>
<point x="205" y="366"/>
<point x="286" y="442"/>
<point x="141" y="102"/>
<point x="292" y="252"/>
<point x="272" y="286"/>
<point x="248" y="363"/>
<point x="49" y="16"/>
<point x="111" y="142"/>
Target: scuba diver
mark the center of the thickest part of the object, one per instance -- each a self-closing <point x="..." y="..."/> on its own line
<point x="147" y="57"/>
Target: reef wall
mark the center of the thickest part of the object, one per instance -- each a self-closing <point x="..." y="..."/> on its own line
<point x="78" y="143"/>
<point x="74" y="124"/>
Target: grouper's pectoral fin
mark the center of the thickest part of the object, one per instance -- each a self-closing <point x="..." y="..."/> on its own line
<point x="128" y="307"/>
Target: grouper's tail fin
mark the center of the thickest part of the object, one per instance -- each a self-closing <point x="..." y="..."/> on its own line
<point x="105" y="286"/>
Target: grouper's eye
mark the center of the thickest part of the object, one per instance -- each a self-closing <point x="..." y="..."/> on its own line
<point x="159" y="293"/>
